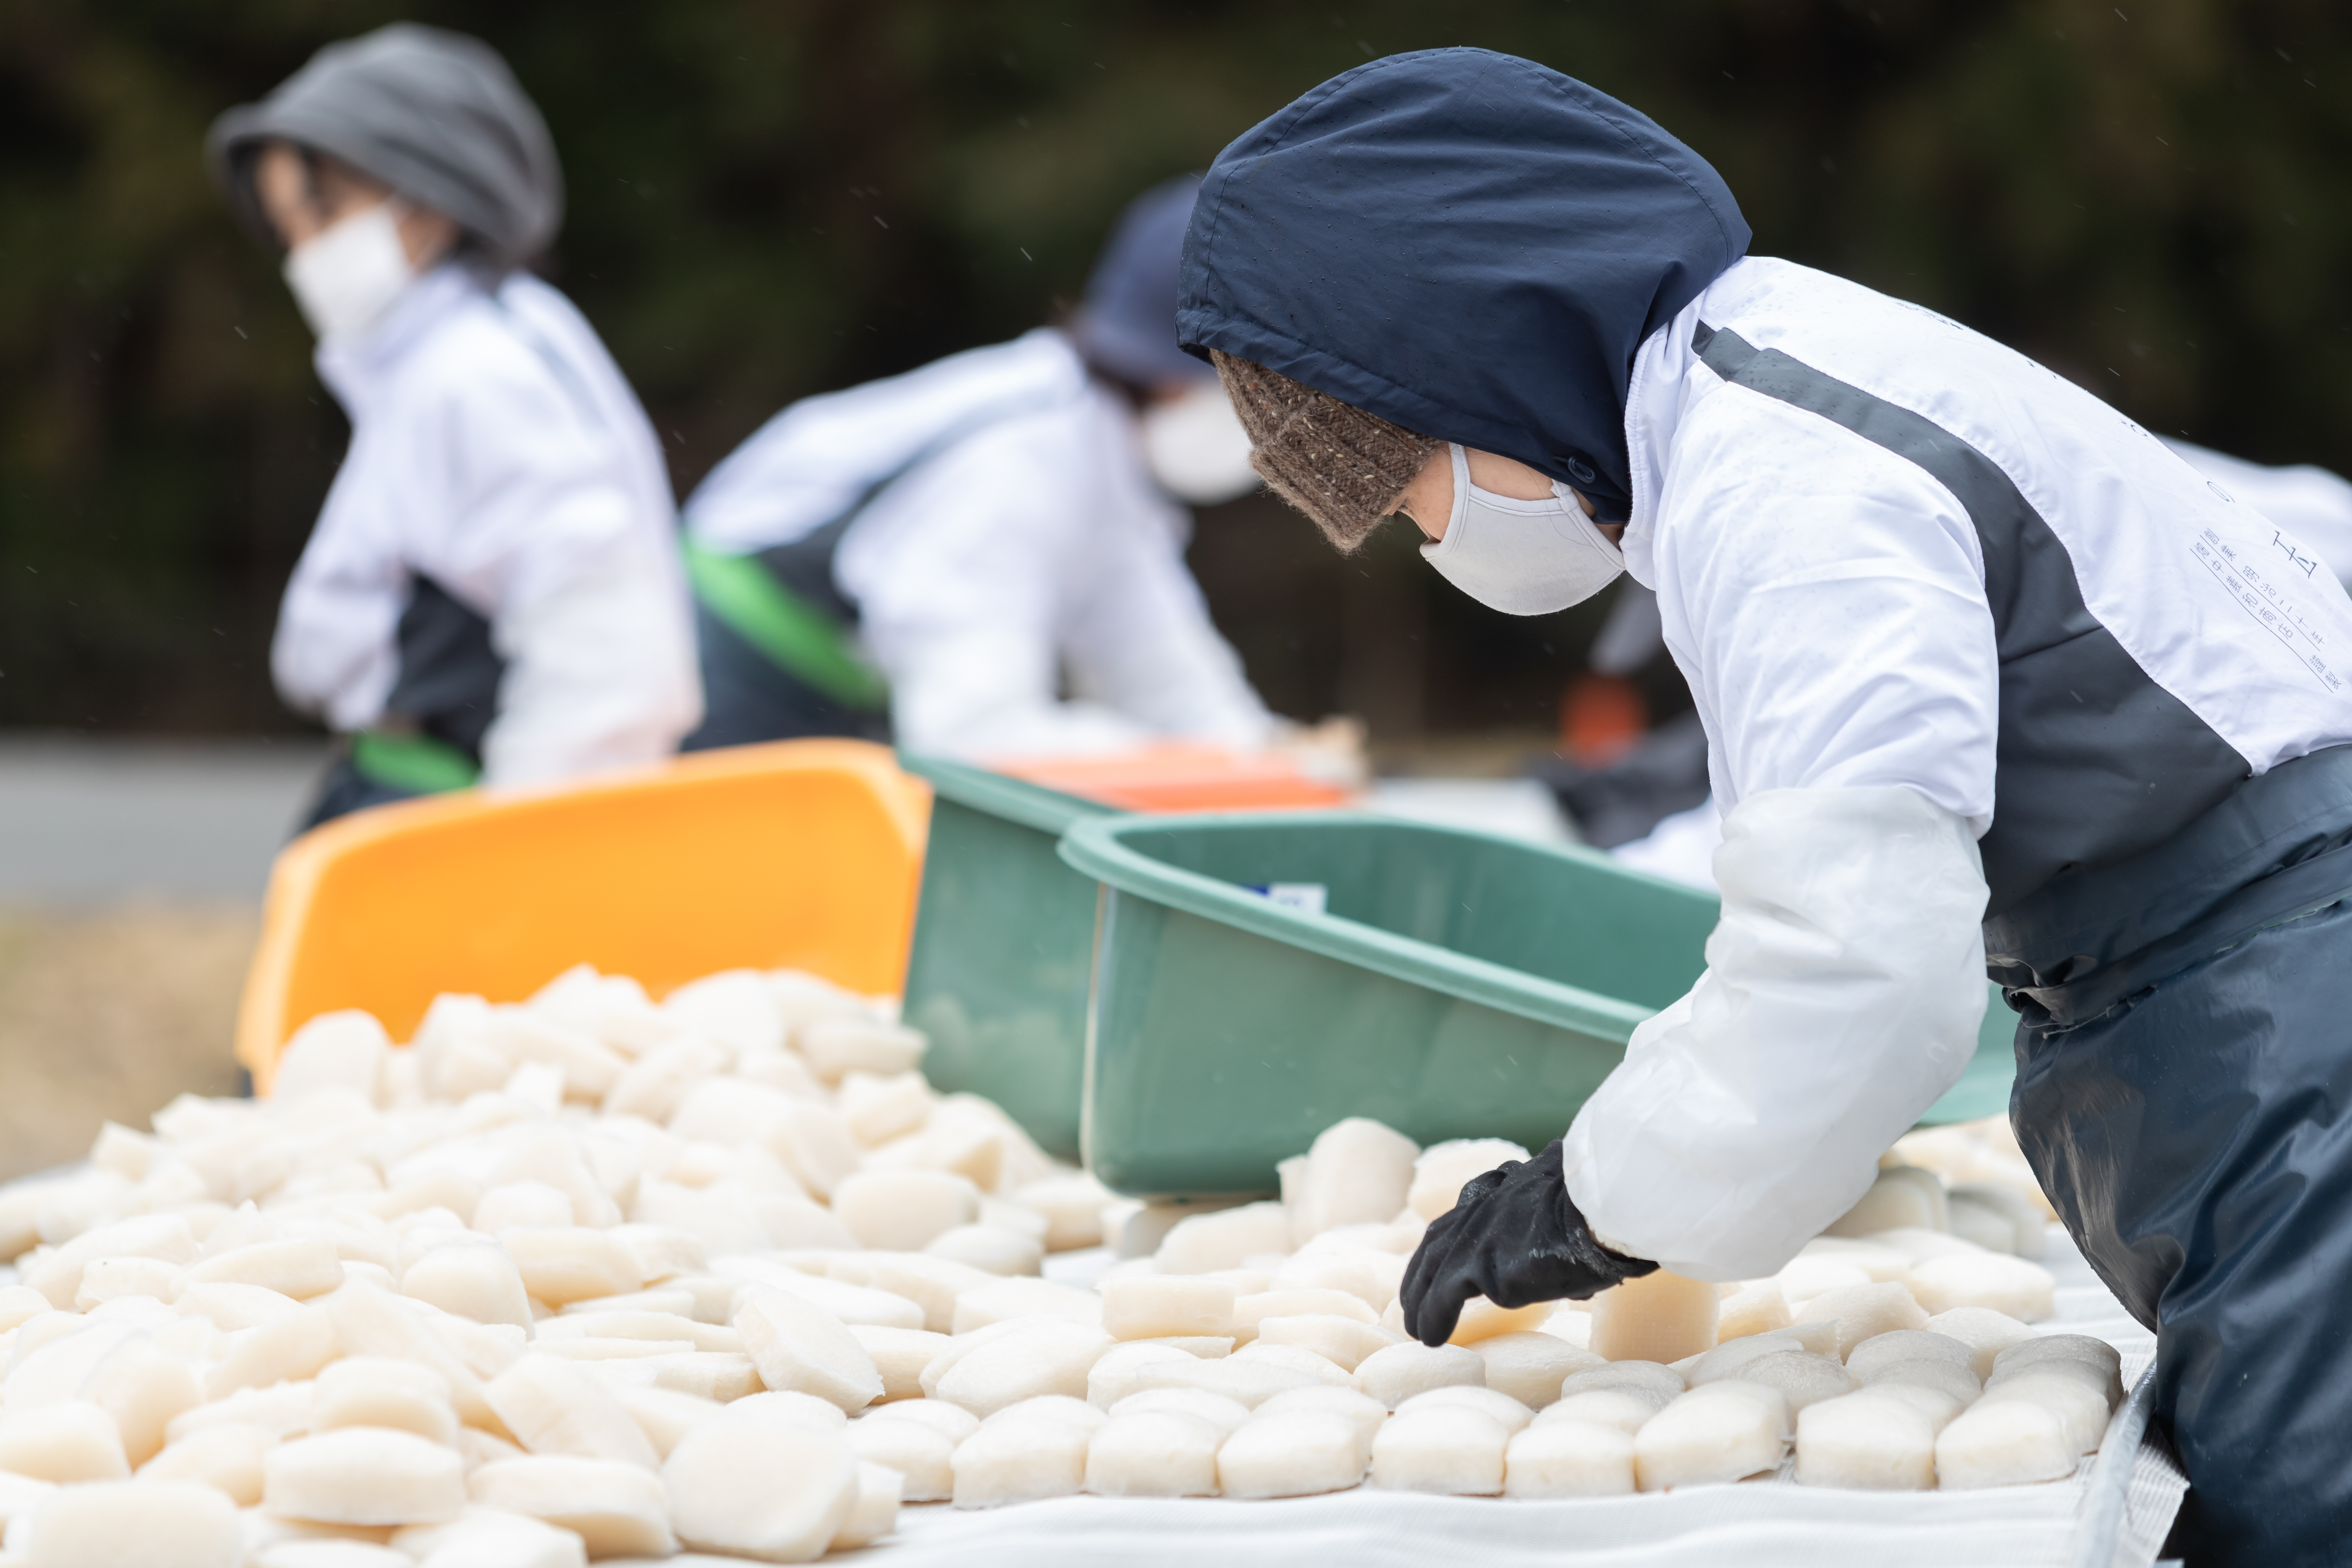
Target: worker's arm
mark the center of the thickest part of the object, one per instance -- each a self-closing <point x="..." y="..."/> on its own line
<point x="1825" y="598"/>
<point x="586" y="599"/>
<point x="334" y="653"/>
<point x="962" y="572"/>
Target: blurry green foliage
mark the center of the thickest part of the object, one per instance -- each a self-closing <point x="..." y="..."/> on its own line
<point x="770" y="197"/>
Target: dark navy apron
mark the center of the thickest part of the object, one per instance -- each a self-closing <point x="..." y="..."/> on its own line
<point x="429" y="738"/>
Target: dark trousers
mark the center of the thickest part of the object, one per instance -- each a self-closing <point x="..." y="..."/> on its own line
<point x="2196" y="1139"/>
<point x="747" y="699"/>
<point x="343" y="789"/>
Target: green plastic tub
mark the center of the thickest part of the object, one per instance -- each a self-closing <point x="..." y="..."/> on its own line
<point x="1983" y="1089"/>
<point x="1453" y="984"/>
<point x="1003" y="935"/>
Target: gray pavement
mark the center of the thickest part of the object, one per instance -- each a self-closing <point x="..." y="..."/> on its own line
<point x="90" y="821"/>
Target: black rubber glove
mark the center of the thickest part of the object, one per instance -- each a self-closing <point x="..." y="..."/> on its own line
<point x="1513" y="1236"/>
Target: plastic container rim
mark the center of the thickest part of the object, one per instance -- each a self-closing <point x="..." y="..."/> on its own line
<point x="1095" y="847"/>
<point x="1015" y="800"/>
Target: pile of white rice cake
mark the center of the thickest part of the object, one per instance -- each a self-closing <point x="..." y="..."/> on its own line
<point x="595" y="1278"/>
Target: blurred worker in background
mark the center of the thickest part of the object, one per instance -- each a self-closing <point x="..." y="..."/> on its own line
<point x="1988" y="675"/>
<point x="1615" y="774"/>
<point x="989" y="550"/>
<point x="492" y="592"/>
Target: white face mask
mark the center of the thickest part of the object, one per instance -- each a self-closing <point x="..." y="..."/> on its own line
<point x="346" y="276"/>
<point x="1522" y="557"/>
<point x="1196" y="448"/>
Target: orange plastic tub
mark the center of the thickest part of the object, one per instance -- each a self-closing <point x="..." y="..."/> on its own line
<point x="803" y="854"/>
<point x="1179" y="777"/>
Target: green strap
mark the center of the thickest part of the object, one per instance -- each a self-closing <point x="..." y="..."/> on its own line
<point x="803" y="640"/>
<point x="418" y="763"/>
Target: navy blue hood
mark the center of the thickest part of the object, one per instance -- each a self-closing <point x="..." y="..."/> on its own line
<point x="1466" y="244"/>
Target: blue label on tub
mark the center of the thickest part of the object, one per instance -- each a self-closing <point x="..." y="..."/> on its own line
<point x="1310" y="897"/>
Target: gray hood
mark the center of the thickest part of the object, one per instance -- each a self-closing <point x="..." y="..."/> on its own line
<point x="436" y="115"/>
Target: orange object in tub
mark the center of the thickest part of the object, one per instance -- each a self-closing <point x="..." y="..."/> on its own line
<point x="801" y="854"/>
<point x="1180" y="777"/>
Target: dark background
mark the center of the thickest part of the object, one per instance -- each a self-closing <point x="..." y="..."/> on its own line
<point x="770" y="199"/>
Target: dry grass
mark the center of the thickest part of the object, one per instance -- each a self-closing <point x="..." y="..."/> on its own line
<point x="109" y="1014"/>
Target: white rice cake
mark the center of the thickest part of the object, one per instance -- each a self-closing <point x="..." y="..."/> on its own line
<point x="899" y="1356"/>
<point x="1992" y="1281"/>
<point x="364" y="1474"/>
<point x="2004" y="1443"/>
<point x="379" y="1391"/>
<point x="1450" y="1450"/>
<point x="1986" y="1333"/>
<point x="1531" y="1367"/>
<point x="1026" y="1360"/>
<point x="556" y="1408"/>
<point x="1345" y="1341"/>
<point x="875" y="1513"/>
<point x="1866" y="1441"/>
<point x="1723" y="1432"/>
<point x="1660" y="1316"/>
<point x="617" y="1510"/>
<point x="1866" y="1311"/>
<point x="1154" y="1453"/>
<point x="1440" y="1169"/>
<point x="1297" y="1453"/>
<point x="1395" y="1374"/>
<point x="1020" y="1461"/>
<point x="761" y="1489"/>
<point x="799" y="1346"/>
<point x="904" y="1211"/>
<point x="916" y="1450"/>
<point x="152" y="1524"/>
<point x="1157" y="1306"/>
<point x="1566" y="1459"/>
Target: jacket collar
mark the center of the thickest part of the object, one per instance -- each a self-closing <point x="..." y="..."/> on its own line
<point x="354" y="371"/>
<point x="1653" y="406"/>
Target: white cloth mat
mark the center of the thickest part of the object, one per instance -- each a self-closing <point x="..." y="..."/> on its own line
<point x="1770" y="1522"/>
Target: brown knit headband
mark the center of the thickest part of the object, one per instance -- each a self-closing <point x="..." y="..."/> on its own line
<point x="1341" y="466"/>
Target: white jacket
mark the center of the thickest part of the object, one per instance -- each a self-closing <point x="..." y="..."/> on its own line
<point x="2303" y="499"/>
<point x="497" y="450"/>
<point x="1022" y="586"/>
<point x="1819" y="497"/>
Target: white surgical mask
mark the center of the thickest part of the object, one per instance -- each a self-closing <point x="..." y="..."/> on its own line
<point x="346" y="276"/>
<point x="1196" y="448"/>
<point x="1522" y="557"/>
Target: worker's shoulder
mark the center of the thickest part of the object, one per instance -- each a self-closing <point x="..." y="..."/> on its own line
<point x="968" y="404"/>
<point x="479" y="356"/>
<point x="1045" y="422"/>
<point x="1043" y="362"/>
<point x="1835" y="326"/>
<point x="971" y="389"/>
<point x="1861" y="369"/>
